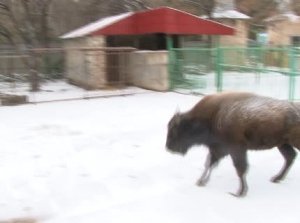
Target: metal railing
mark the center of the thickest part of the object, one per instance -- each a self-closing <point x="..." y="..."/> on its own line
<point x="56" y="67"/>
<point x="269" y="71"/>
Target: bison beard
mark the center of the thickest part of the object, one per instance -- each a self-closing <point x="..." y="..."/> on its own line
<point x="232" y="123"/>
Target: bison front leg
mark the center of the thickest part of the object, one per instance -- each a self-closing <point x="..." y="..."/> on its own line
<point x="239" y="158"/>
<point x="212" y="160"/>
<point x="209" y="164"/>
<point x="289" y="155"/>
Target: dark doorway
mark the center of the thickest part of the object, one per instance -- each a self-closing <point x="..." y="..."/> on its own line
<point x="156" y="41"/>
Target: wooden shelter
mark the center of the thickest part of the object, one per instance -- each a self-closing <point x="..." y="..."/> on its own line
<point x="154" y="29"/>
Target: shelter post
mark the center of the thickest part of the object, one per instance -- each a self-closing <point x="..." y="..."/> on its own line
<point x="170" y="60"/>
<point x="292" y="65"/>
<point x="169" y="42"/>
<point x="218" y="64"/>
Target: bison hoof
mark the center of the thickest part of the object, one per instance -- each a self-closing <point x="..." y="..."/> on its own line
<point x="275" y="179"/>
<point x="201" y="182"/>
<point x="241" y="193"/>
<point x="238" y="194"/>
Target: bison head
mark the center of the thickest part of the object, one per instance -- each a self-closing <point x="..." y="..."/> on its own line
<point x="183" y="133"/>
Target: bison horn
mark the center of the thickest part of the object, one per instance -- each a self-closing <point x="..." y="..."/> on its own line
<point x="177" y="116"/>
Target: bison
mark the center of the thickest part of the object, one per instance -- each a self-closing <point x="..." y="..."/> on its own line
<point x="233" y="122"/>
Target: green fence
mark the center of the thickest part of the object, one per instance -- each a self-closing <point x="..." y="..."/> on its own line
<point x="269" y="71"/>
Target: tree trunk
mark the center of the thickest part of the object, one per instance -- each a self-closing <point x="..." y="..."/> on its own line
<point x="33" y="72"/>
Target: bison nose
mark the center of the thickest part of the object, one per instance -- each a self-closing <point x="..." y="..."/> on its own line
<point x="169" y="150"/>
<point x="167" y="146"/>
<point x="172" y="151"/>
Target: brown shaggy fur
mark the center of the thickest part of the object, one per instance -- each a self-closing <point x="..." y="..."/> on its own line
<point x="232" y="123"/>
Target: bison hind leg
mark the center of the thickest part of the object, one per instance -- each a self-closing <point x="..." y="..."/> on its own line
<point x="289" y="154"/>
<point x="239" y="158"/>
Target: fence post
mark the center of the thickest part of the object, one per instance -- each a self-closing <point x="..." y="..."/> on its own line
<point x="292" y="65"/>
<point x="219" y="76"/>
<point x="171" y="61"/>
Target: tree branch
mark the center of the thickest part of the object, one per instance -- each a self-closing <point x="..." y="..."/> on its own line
<point x="4" y="6"/>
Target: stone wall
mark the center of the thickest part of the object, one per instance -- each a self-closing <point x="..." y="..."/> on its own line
<point x="280" y="32"/>
<point x="91" y="67"/>
<point x="9" y="99"/>
<point x="149" y="70"/>
<point x="85" y="62"/>
<point x="240" y="36"/>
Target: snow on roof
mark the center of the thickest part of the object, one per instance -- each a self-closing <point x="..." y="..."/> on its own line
<point x="144" y="23"/>
<point x="285" y="16"/>
<point x="229" y="14"/>
<point x="94" y="26"/>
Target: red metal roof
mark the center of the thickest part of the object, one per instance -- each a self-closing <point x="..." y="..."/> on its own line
<point x="165" y="20"/>
<point x="160" y="20"/>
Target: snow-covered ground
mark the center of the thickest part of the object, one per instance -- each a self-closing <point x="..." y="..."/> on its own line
<point x="104" y="160"/>
<point x="272" y="84"/>
<point x="60" y="90"/>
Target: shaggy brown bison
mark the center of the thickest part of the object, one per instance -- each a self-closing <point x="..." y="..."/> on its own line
<point x="232" y="123"/>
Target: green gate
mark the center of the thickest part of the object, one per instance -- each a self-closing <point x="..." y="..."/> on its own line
<point x="269" y="71"/>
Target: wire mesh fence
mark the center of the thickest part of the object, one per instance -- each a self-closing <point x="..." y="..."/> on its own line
<point x="269" y="71"/>
<point x="15" y="68"/>
<point x="87" y="68"/>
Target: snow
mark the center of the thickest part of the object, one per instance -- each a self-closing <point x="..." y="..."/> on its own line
<point x="285" y="16"/>
<point x="95" y="26"/>
<point x="104" y="160"/>
<point x="60" y="90"/>
<point x="229" y="14"/>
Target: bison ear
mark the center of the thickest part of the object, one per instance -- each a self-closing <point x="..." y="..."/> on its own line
<point x="177" y="116"/>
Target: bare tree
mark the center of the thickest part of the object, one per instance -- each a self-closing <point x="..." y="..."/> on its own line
<point x="205" y="7"/>
<point x="296" y="6"/>
<point x="258" y="9"/>
<point x="5" y="33"/>
<point x="27" y="21"/>
<point x="135" y="5"/>
<point x="99" y="8"/>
